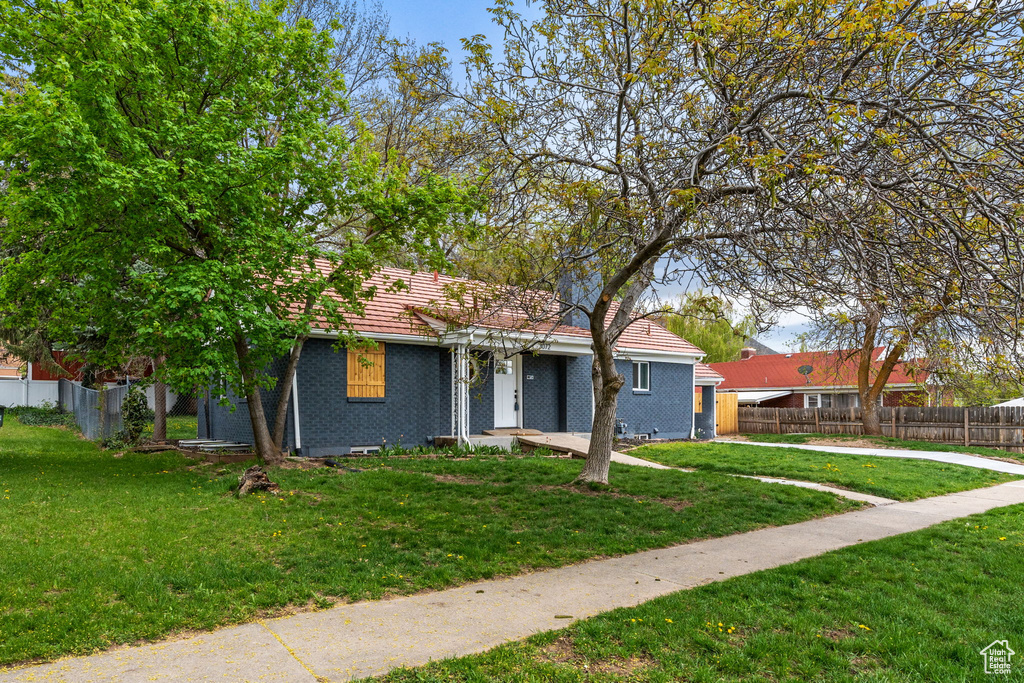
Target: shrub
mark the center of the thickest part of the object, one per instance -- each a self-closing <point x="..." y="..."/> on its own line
<point x="455" y="451"/>
<point x="45" y="415"/>
<point x="135" y="415"/>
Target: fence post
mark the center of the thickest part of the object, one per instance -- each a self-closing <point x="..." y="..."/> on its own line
<point x="817" y="420"/>
<point x="101" y="406"/>
<point x="853" y="421"/>
<point x="967" y="427"/>
<point x="892" y="416"/>
<point x="778" y="424"/>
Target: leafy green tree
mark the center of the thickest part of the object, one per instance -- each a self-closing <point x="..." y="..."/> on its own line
<point x="658" y="132"/>
<point x="171" y="165"/>
<point x="930" y="305"/>
<point x="710" y="322"/>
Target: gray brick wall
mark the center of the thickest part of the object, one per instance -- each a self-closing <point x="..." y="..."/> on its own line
<point x="417" y="404"/>
<point x="270" y="396"/>
<point x="542" y="401"/>
<point x="444" y="393"/>
<point x="232" y="422"/>
<point x="705" y="421"/>
<point x="668" y="407"/>
<point x="202" y="430"/>
<point x="332" y="423"/>
<point x="409" y="413"/>
<point x="579" y="393"/>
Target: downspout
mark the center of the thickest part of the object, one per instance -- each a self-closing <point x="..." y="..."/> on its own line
<point x="693" y="400"/>
<point x="28" y="378"/>
<point x="295" y="411"/>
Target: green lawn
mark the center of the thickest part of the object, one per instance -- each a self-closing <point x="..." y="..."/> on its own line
<point x="99" y="550"/>
<point x="178" y="427"/>
<point x="898" y="478"/>
<point x="916" y="607"/>
<point x="889" y="442"/>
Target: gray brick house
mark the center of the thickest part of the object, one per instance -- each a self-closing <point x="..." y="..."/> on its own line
<point x="430" y="377"/>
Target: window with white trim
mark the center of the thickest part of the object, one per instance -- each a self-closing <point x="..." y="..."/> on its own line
<point x="641" y="376"/>
<point x="841" y="400"/>
<point x="817" y="400"/>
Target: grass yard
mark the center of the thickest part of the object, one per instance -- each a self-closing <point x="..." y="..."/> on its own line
<point x="897" y="478"/>
<point x="99" y="550"/>
<point x="889" y="442"/>
<point x="916" y="607"/>
<point x="178" y="427"/>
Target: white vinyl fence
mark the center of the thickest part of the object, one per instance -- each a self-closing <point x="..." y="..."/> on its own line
<point x="23" y="392"/>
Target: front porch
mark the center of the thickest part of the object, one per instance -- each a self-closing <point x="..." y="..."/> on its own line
<point x="573" y="444"/>
<point x="495" y="394"/>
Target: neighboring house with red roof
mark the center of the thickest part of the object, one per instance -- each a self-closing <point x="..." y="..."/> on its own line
<point x="24" y="384"/>
<point x="453" y="358"/>
<point x="817" y="380"/>
<point x="27" y="383"/>
<point x="10" y="366"/>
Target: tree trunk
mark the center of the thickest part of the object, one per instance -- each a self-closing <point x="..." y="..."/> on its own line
<point x="159" y="406"/>
<point x="872" y="418"/>
<point x="263" y="443"/>
<point x="255" y="479"/>
<point x="602" y="432"/>
<point x="285" y="385"/>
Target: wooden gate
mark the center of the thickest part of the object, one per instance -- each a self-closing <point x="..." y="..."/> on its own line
<point x="727" y="413"/>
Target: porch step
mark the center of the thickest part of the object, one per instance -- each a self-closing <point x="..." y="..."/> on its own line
<point x="214" y="445"/>
<point x="562" y="443"/>
<point x="512" y="432"/>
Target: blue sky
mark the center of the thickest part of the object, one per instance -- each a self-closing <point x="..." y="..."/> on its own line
<point x="448" y="22"/>
<point x="445" y="22"/>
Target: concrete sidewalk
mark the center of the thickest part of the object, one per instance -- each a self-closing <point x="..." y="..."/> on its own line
<point x="949" y="458"/>
<point x="625" y="459"/>
<point x="370" y="638"/>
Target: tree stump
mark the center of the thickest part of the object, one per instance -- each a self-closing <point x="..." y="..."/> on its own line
<point x="255" y="479"/>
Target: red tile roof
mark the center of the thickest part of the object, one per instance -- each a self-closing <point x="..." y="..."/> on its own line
<point x="779" y="371"/>
<point x="705" y="371"/>
<point x="402" y="309"/>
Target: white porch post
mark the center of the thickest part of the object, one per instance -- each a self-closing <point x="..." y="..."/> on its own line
<point x="455" y="392"/>
<point x="460" y="394"/>
<point x="464" y="396"/>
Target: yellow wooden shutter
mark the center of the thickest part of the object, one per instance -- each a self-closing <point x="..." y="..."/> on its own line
<point x="366" y="381"/>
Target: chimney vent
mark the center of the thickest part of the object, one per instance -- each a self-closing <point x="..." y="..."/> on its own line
<point x="747" y="353"/>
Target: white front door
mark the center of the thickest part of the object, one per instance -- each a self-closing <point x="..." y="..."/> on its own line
<point x="506" y="391"/>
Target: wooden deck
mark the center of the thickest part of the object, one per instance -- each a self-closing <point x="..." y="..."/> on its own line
<point x="576" y="446"/>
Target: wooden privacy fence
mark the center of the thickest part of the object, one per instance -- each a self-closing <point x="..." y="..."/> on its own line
<point x="992" y="427"/>
<point x="726" y="413"/>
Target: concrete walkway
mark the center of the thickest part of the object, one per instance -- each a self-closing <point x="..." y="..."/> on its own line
<point x="370" y="638"/>
<point x="625" y="459"/>
<point x="852" y="495"/>
<point x="950" y="458"/>
<point x="577" y="445"/>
